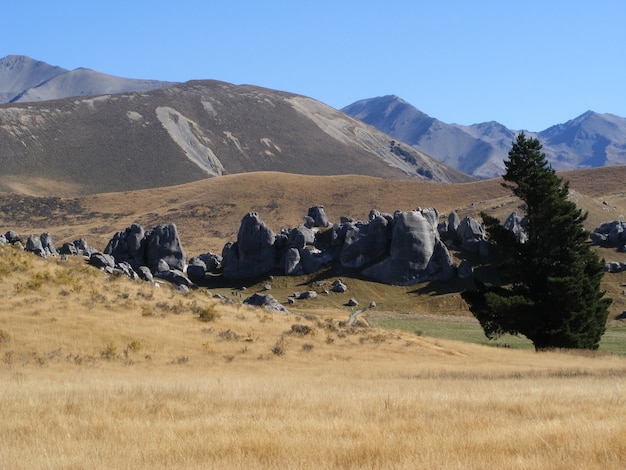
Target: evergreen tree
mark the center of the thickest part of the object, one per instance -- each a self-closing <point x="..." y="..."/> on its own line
<point x="551" y="283"/>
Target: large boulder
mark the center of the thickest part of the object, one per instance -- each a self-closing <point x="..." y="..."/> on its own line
<point x="102" y="261"/>
<point x="292" y="266"/>
<point x="364" y="243"/>
<point x="200" y="265"/>
<point x="267" y="301"/>
<point x="453" y="224"/>
<point x="196" y="271"/>
<point x="253" y="254"/>
<point x="516" y="224"/>
<point x="41" y="245"/>
<point x="610" y="234"/>
<point x="12" y="237"/>
<point x="33" y="244"/>
<point x="416" y="253"/>
<point x="158" y="248"/>
<point x="78" y="247"/>
<point x="48" y="245"/>
<point x="163" y="243"/>
<point x="316" y="217"/>
<point x="470" y="233"/>
<point x="128" y="245"/>
<point x="300" y="237"/>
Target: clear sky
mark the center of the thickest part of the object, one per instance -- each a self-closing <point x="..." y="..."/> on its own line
<point x="526" y="64"/>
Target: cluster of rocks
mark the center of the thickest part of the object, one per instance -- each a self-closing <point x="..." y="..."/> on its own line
<point x="42" y="245"/>
<point x="142" y="254"/>
<point x="402" y="249"/>
<point x="134" y="252"/>
<point x="405" y="248"/>
<point x="610" y="234"/>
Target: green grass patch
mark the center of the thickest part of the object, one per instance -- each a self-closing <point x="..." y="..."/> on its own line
<point x="613" y="341"/>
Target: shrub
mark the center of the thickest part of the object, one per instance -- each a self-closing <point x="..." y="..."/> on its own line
<point x="134" y="346"/>
<point x="109" y="351"/>
<point x="229" y="335"/>
<point x="208" y="313"/>
<point x="279" y="347"/>
<point x="300" y="330"/>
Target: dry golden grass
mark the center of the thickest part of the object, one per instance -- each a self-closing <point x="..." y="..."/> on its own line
<point x="102" y="372"/>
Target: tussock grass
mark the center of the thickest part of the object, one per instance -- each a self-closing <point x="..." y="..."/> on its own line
<point x="90" y="381"/>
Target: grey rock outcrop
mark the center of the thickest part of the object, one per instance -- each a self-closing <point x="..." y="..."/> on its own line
<point x="145" y="274"/>
<point x="453" y="224"/>
<point x="316" y="217"/>
<point x="102" y="261"/>
<point x="267" y="301"/>
<point x="33" y="244"/>
<point x="175" y="277"/>
<point x="253" y="254"/>
<point x="470" y="234"/>
<point x="610" y="234"/>
<point x="202" y="265"/>
<point x="292" y="264"/>
<point x="465" y="270"/>
<point x="12" y="237"/>
<point x="517" y="224"/>
<point x="163" y="243"/>
<point x="78" y="247"/>
<point x="416" y="253"/>
<point x="364" y="243"/>
<point x="128" y="245"/>
<point x="339" y="286"/>
<point x="148" y="248"/>
<point x="41" y="245"/>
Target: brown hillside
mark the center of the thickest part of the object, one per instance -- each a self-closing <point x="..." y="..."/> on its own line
<point x="208" y="212"/>
<point x="190" y="132"/>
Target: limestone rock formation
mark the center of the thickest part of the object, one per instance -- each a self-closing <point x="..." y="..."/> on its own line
<point x="316" y="217"/>
<point x="253" y="254"/>
<point x="416" y="253"/>
<point x="516" y="224"/>
<point x="163" y="243"/>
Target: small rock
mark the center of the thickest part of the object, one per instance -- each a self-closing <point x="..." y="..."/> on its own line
<point x="339" y="286"/>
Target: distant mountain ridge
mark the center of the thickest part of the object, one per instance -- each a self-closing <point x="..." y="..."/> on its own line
<point x="23" y="79"/>
<point x="588" y="141"/>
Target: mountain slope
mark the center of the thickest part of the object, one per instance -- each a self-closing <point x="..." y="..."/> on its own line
<point x="590" y="140"/>
<point x="23" y="79"/>
<point x="190" y="132"/>
<point x="19" y="73"/>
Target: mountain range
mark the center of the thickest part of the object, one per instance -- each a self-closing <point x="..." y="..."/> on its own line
<point x="588" y="141"/>
<point x="81" y="131"/>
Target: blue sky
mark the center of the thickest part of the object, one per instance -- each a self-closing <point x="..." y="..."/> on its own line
<point x="528" y="65"/>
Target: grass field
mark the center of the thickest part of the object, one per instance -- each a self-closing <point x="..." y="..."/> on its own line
<point x="102" y="372"/>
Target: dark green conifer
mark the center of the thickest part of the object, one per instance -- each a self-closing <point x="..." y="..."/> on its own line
<point x="551" y="283"/>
